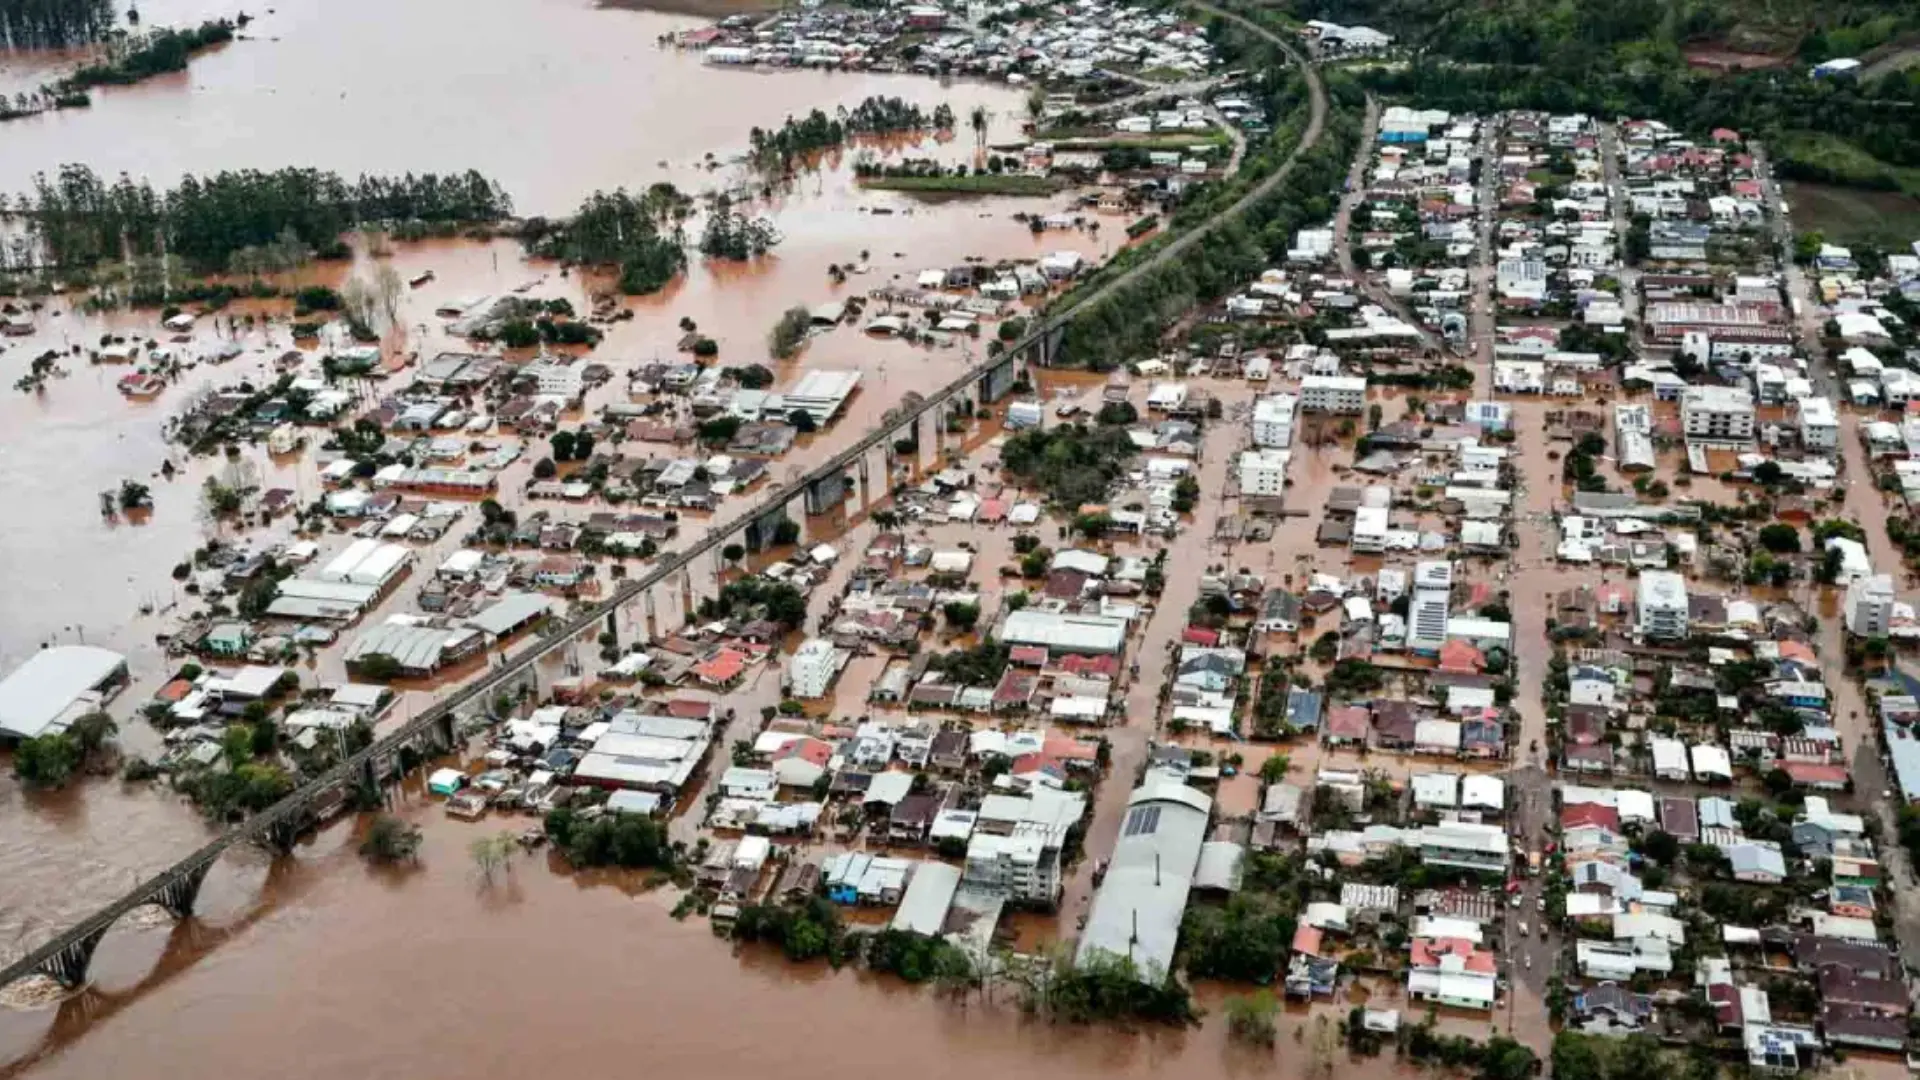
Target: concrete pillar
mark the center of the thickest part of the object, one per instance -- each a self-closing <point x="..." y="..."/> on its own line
<point x="826" y="494"/>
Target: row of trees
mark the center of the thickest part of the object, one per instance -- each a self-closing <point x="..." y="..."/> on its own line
<point x="778" y="150"/>
<point x="642" y="236"/>
<point x="1131" y="321"/>
<point x="733" y="235"/>
<point x="54" y="24"/>
<point x="80" y="219"/>
<point x="141" y="57"/>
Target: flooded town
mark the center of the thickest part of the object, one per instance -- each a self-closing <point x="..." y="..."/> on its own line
<point x="1081" y="538"/>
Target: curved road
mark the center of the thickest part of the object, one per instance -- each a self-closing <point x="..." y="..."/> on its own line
<point x="291" y="809"/>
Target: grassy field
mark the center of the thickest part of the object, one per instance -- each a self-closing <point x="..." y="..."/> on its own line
<point x="1852" y="216"/>
<point x="1844" y="162"/>
<point x="965" y="185"/>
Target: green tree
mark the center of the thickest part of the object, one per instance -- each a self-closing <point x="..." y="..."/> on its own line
<point x="790" y="332"/>
<point x="390" y="840"/>
<point x="1660" y="846"/>
<point x="1250" y="1017"/>
<point x="46" y="761"/>
<point x="378" y="667"/>
<point x="961" y="616"/>
<point x="1780" y="538"/>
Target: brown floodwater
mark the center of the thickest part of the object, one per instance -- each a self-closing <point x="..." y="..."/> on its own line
<point x="572" y="98"/>
<point x="552" y="98"/>
<point x="543" y="970"/>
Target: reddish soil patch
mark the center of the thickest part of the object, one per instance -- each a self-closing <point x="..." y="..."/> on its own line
<point x="1728" y="60"/>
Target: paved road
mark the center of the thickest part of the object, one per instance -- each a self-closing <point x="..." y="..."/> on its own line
<point x="1480" y="319"/>
<point x="1350" y="201"/>
<point x="1628" y="276"/>
<point x="1808" y="320"/>
<point x="1129" y="739"/>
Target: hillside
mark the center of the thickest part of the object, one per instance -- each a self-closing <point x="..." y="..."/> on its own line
<point x="1590" y="34"/>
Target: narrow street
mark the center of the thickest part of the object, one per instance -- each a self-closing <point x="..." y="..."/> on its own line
<point x="1350" y="200"/>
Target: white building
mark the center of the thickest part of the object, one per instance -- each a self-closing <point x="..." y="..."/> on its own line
<point x="1263" y="472"/>
<point x="1717" y="414"/>
<point x="1273" y="420"/>
<point x="1819" y="427"/>
<point x="1869" y="608"/>
<point x="1662" y="606"/>
<point x="1370" y="526"/>
<point x="1334" y="393"/>
<point x="813" y="667"/>
<point x="1521" y="279"/>
<point x="1137" y="910"/>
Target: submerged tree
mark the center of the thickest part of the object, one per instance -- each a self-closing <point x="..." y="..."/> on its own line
<point x="391" y="840"/>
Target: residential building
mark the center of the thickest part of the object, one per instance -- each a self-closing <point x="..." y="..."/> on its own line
<point x="1465" y="845"/>
<point x="1819" y="427"/>
<point x="1521" y="279"/>
<point x="1717" y="414"/>
<point x="1869" y="605"/>
<point x="1662" y="605"/>
<point x="813" y="667"/>
<point x="1273" y="421"/>
<point x="1427" y="621"/>
<point x="1263" y="471"/>
<point x="1333" y="394"/>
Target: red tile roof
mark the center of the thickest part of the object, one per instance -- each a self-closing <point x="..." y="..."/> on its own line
<point x="813" y="750"/>
<point x="1427" y="953"/>
<point x="1460" y="656"/>
<point x="1590" y="814"/>
<point x="1347" y="722"/>
<point x="722" y="667"/>
<point x="1807" y="772"/>
<point x="1028" y="655"/>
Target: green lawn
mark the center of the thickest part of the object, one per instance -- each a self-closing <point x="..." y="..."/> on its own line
<point x="1854" y="215"/>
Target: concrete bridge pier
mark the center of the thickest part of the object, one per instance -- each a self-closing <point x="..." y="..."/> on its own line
<point x="613" y="625"/>
<point x="179" y="895"/>
<point x="1046" y="349"/>
<point x="284" y="832"/>
<point x="68" y="967"/>
<point x="866" y="489"/>
<point x="760" y="531"/>
<point x="443" y="729"/>
<point x="997" y="381"/>
<point x="825" y="494"/>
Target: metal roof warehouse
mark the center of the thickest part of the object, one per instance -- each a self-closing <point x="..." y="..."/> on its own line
<point x="57" y="686"/>
<point x="1067" y="633"/>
